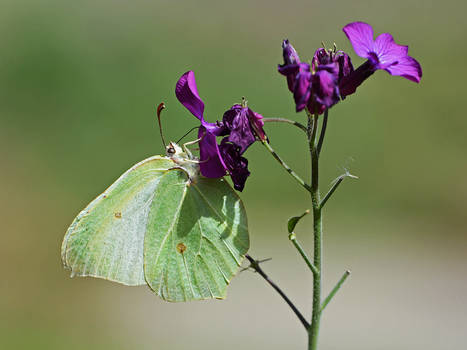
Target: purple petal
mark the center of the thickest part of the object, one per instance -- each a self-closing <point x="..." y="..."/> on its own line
<point x="302" y="90"/>
<point x="407" y="67"/>
<point x="360" y="35"/>
<point x="290" y="71"/>
<point x="324" y="85"/>
<point x="289" y="53"/>
<point x="237" y="121"/>
<point x="387" y="51"/>
<point x="321" y="56"/>
<point x="315" y="107"/>
<point x="211" y="164"/>
<point x="217" y="128"/>
<point x="290" y="68"/>
<point x="345" y="64"/>
<point x="187" y="94"/>
<point x="256" y="120"/>
<point x="237" y="166"/>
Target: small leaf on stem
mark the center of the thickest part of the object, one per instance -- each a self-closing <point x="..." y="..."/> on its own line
<point x="293" y="221"/>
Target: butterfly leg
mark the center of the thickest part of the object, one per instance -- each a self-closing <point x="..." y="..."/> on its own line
<point x="185" y="148"/>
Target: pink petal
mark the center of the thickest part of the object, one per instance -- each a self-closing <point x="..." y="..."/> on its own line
<point x="360" y="35"/>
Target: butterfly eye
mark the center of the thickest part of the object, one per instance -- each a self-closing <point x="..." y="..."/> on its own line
<point x="170" y="150"/>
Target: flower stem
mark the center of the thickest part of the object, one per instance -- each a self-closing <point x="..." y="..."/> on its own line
<point x="335" y="289"/>
<point x="305" y="257"/>
<point x="284" y="120"/>
<point x="313" y="331"/>
<point x="285" y="166"/>
<point x="323" y="131"/>
<point x="254" y="264"/>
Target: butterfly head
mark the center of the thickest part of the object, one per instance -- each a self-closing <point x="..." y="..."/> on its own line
<point x="173" y="150"/>
<point x="184" y="159"/>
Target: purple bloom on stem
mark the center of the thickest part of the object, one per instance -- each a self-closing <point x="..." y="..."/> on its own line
<point x="240" y="125"/>
<point x="382" y="53"/>
<point x="324" y="57"/>
<point x="315" y="87"/>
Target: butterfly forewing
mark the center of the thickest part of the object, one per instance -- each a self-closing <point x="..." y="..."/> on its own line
<point x="106" y="239"/>
<point x="196" y="237"/>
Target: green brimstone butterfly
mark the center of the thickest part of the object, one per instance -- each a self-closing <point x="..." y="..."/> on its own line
<point x="162" y="224"/>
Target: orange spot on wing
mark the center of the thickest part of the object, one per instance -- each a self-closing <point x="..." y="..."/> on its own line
<point x="181" y="248"/>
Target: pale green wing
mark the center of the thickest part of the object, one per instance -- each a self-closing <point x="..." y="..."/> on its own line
<point x="106" y="239"/>
<point x="196" y="238"/>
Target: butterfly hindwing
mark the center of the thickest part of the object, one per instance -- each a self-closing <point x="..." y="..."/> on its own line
<point x="106" y="239"/>
<point x="196" y="238"/>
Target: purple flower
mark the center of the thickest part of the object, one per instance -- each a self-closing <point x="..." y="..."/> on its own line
<point x="325" y="57"/>
<point x="316" y="88"/>
<point x="240" y="126"/>
<point x="382" y="53"/>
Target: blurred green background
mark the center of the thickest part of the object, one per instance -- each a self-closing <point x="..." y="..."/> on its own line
<point x="78" y="85"/>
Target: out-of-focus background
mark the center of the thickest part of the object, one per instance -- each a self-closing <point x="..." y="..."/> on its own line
<point x="78" y="85"/>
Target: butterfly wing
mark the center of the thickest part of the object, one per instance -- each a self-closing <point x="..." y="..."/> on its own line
<point x="106" y="239"/>
<point x="196" y="237"/>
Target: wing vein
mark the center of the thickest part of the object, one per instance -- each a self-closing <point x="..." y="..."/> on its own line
<point x="177" y="212"/>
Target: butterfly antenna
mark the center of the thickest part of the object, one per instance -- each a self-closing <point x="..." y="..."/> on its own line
<point x="158" y="111"/>
<point x="189" y="131"/>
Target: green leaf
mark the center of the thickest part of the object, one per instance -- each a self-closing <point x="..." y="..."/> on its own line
<point x="293" y="221"/>
<point x="183" y="237"/>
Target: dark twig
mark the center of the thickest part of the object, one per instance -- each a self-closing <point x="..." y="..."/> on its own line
<point x="254" y="264"/>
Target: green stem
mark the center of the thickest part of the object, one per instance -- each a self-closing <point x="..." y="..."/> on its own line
<point x="285" y="166"/>
<point x="284" y="120"/>
<point x="313" y="331"/>
<point x="305" y="257"/>
<point x="331" y="191"/>
<point x="336" y="184"/>
<point x="335" y="290"/>
<point x="323" y="131"/>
